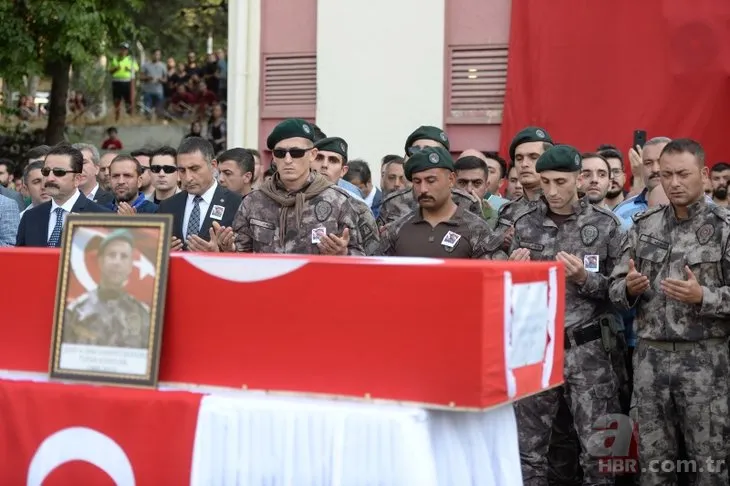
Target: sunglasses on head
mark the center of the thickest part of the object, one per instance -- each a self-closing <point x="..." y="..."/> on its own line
<point x="296" y="153"/>
<point x="46" y="171"/>
<point x="167" y="169"/>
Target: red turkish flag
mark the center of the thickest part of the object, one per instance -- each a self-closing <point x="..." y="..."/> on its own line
<point x="84" y="265"/>
<point x="55" y="434"/>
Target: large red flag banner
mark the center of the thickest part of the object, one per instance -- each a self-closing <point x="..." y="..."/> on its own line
<point x="592" y="72"/>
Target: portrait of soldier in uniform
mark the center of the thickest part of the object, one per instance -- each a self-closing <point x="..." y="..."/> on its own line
<point x="109" y="315"/>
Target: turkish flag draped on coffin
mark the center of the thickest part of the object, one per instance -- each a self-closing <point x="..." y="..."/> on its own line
<point x="592" y="72"/>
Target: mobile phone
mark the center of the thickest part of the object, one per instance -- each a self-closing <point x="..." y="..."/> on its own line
<point x="639" y="138"/>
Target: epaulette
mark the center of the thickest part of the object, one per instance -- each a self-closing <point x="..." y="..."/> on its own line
<point x="721" y="212"/>
<point x="506" y="205"/>
<point x="644" y="214"/>
<point x="608" y="213"/>
<point x="531" y="208"/>
<point x="341" y="190"/>
<point x="394" y="194"/>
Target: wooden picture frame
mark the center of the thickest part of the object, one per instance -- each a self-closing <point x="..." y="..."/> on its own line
<point x="110" y="299"/>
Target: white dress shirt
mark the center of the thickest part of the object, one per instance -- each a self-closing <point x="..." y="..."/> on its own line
<point x="204" y="205"/>
<point x="67" y="207"/>
<point x="92" y="194"/>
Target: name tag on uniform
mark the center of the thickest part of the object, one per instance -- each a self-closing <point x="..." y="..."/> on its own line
<point x="590" y="263"/>
<point x="317" y="234"/>
<point x="217" y="212"/>
<point x="451" y="239"/>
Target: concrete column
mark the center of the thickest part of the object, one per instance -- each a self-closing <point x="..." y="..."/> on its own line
<point x="380" y="72"/>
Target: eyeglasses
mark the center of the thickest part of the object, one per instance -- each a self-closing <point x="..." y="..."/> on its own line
<point x="46" y="171"/>
<point x="296" y="153"/>
<point x="167" y="169"/>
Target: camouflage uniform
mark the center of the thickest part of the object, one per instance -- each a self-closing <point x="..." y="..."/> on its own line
<point x="591" y="384"/>
<point x="480" y="239"/>
<point x="264" y="225"/>
<point x="368" y="229"/>
<point x="510" y="211"/>
<point x="681" y="359"/>
<point x="401" y="202"/>
<point x="107" y="318"/>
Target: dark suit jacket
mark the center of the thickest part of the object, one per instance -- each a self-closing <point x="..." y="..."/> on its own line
<point x="33" y="229"/>
<point x="376" y="202"/>
<point x="14" y="195"/>
<point x="175" y="205"/>
<point x="103" y="198"/>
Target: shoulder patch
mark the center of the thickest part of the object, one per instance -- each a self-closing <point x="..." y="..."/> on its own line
<point x="524" y="212"/>
<point x="644" y="214"/>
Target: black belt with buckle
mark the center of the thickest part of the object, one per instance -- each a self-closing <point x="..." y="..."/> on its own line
<point x="583" y="335"/>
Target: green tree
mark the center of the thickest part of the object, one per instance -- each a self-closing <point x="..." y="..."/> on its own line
<point x="49" y="36"/>
<point x="177" y="26"/>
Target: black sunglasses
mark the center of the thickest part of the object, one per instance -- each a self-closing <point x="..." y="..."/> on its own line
<point x="46" y="171"/>
<point x="296" y="153"/>
<point x="414" y="150"/>
<point x="167" y="169"/>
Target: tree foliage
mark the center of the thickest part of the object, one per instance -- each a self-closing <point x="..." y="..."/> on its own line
<point x="36" y="33"/>
<point x="177" y="26"/>
<point x="48" y="36"/>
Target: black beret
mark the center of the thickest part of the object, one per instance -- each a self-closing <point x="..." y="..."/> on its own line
<point x="333" y="144"/>
<point x="119" y="234"/>
<point x="526" y="135"/>
<point x="426" y="132"/>
<point x="428" y="158"/>
<point x="290" y="128"/>
<point x="562" y="158"/>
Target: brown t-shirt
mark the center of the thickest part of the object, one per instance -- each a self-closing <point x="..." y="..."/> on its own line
<point x="465" y="235"/>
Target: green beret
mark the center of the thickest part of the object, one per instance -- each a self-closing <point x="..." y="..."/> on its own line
<point x="428" y="158"/>
<point x="526" y="135"/>
<point x="118" y="234"/>
<point x="333" y="144"/>
<point x="290" y="128"/>
<point x="426" y="132"/>
<point x="562" y="158"/>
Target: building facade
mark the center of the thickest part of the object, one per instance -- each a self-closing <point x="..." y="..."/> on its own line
<point x="369" y="72"/>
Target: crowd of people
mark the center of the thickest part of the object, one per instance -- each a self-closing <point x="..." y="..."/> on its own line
<point x="647" y="309"/>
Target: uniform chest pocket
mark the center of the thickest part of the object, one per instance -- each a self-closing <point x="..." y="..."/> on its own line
<point x="650" y="258"/>
<point x="263" y="234"/>
<point x="706" y="264"/>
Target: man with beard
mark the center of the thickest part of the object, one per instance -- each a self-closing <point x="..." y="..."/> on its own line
<point x="615" y="194"/>
<point x="124" y="174"/>
<point x="595" y="178"/>
<point x="438" y="228"/>
<point x="392" y="176"/>
<point x="720" y="178"/>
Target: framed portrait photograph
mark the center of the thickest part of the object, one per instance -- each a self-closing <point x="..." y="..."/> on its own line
<point x="110" y="299"/>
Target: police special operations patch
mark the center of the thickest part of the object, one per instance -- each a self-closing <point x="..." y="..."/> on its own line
<point x="705" y="233"/>
<point x="442" y="136"/>
<point x="588" y="234"/>
<point x="322" y="211"/>
<point x="433" y="158"/>
<point x="365" y="230"/>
